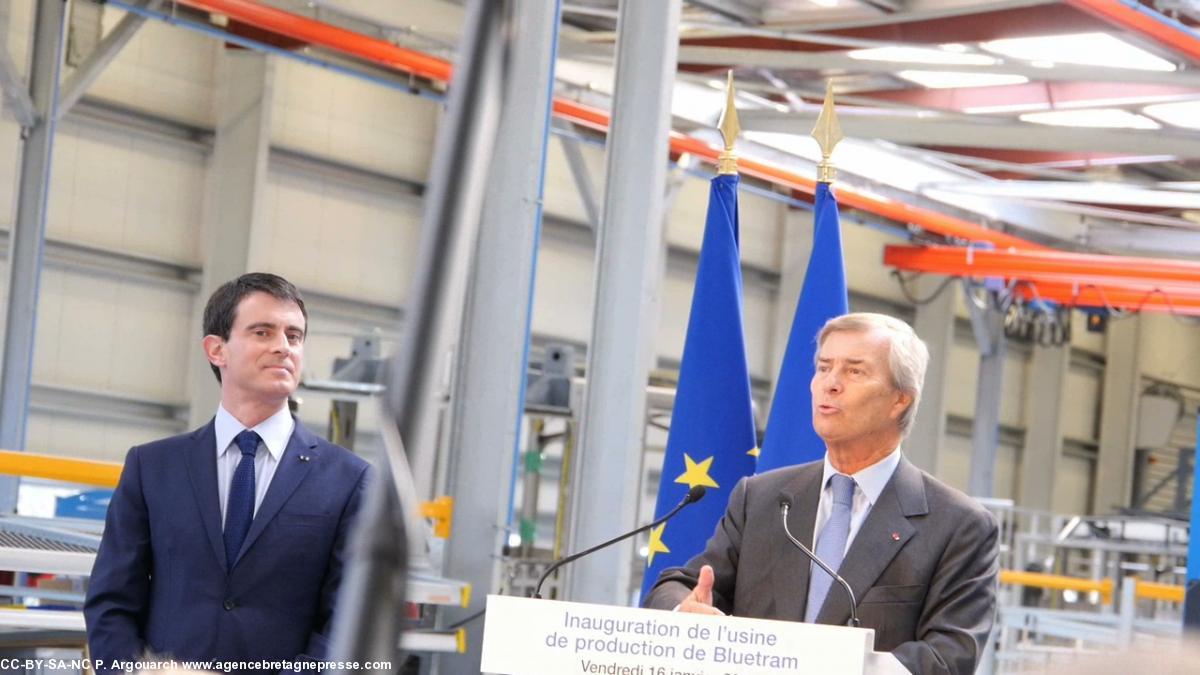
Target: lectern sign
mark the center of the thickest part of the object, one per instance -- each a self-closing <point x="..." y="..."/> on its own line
<point x="545" y="637"/>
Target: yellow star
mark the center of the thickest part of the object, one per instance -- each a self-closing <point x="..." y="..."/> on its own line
<point x="656" y="544"/>
<point x="697" y="474"/>
<point x="754" y="452"/>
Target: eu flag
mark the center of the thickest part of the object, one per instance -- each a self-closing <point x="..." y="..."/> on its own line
<point x="712" y="424"/>
<point x="790" y="438"/>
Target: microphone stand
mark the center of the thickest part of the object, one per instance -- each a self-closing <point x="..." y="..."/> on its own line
<point x="693" y="495"/>
<point x="784" y="507"/>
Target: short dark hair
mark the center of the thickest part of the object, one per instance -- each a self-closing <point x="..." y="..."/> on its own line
<point x="221" y="310"/>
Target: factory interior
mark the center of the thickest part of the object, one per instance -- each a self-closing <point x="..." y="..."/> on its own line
<point x="495" y="211"/>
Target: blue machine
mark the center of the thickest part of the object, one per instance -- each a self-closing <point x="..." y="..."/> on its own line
<point x="1191" y="598"/>
<point x="91" y="504"/>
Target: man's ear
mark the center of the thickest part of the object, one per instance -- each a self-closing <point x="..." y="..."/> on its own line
<point x="214" y="350"/>
<point x="903" y="402"/>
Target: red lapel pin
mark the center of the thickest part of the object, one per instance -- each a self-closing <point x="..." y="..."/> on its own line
<point x="895" y="536"/>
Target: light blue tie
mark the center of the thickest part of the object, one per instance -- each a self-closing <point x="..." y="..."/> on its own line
<point x="831" y="545"/>
<point x="239" y="509"/>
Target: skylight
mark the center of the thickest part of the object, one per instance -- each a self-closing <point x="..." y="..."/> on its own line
<point x="1110" y="118"/>
<point x="1088" y="49"/>
<point x="952" y="80"/>
<point x="1183" y="114"/>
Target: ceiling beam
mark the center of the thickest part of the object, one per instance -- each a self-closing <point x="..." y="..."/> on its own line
<point x="1157" y="241"/>
<point x="1104" y="297"/>
<point x="919" y="11"/>
<point x="1065" y="266"/>
<point x="1034" y="96"/>
<point x="1140" y="19"/>
<point x="981" y="132"/>
<point x="424" y="65"/>
<point x="731" y="9"/>
<point x="1073" y="279"/>
<point x="829" y="62"/>
<point x="1096" y="192"/>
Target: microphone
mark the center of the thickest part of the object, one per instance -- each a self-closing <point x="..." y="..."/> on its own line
<point x="694" y="495"/>
<point x="785" y="504"/>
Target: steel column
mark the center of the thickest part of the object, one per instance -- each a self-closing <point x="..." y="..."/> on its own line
<point x="988" y="325"/>
<point x="583" y="179"/>
<point x="934" y="323"/>
<point x="83" y="77"/>
<point x="28" y="237"/>
<point x="628" y="276"/>
<point x="15" y="93"/>
<point x="1118" y="415"/>
<point x="795" y="245"/>
<point x="369" y="602"/>
<point x="485" y="413"/>
<point x="1043" y="446"/>
<point x="12" y="84"/>
<point x="237" y="173"/>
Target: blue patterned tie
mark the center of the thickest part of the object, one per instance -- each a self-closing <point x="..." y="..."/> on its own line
<point x="239" y="510"/>
<point x="831" y="545"/>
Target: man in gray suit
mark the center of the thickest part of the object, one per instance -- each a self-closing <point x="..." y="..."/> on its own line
<point x="920" y="556"/>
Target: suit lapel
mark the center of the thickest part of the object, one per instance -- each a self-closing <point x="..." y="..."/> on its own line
<point x="884" y="532"/>
<point x="792" y="570"/>
<point x="202" y="470"/>
<point x="288" y="476"/>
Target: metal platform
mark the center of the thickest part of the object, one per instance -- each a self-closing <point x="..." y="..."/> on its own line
<point x="68" y="547"/>
<point x="48" y="546"/>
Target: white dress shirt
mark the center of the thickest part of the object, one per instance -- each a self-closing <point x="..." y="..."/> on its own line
<point x="275" y="432"/>
<point x="869" y="483"/>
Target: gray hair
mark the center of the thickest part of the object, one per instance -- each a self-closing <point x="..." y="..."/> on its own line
<point x="907" y="354"/>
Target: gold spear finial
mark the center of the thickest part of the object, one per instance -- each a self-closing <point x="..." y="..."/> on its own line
<point x="828" y="133"/>
<point x="727" y="162"/>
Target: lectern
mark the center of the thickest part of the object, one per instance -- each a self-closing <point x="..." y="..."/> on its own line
<point x="523" y="636"/>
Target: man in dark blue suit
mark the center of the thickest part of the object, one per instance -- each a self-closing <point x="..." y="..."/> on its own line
<point x="228" y="543"/>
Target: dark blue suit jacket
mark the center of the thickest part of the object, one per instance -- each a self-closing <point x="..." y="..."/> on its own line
<point x="160" y="583"/>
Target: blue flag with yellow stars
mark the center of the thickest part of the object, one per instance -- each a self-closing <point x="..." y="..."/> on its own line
<point x="712" y="435"/>
<point x="790" y="438"/>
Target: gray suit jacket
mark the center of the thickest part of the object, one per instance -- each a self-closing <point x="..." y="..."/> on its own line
<point x="922" y="565"/>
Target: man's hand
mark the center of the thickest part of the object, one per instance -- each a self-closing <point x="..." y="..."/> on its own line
<point x="700" y="601"/>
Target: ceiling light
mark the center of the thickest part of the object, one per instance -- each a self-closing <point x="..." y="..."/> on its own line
<point x="953" y="80"/>
<point x="1109" y="118"/>
<point x="1089" y="49"/>
<point x="825" y="3"/>
<point x="921" y="55"/>
<point x="1183" y="114"/>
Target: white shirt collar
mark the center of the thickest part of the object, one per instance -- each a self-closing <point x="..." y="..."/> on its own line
<point x="275" y="431"/>
<point x="870" y="480"/>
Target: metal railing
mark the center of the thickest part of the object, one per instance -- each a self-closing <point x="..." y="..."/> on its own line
<point x="1074" y="585"/>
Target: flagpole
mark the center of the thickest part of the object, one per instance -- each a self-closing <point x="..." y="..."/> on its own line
<point x="728" y="124"/>
<point x="790" y="438"/>
<point x="828" y="133"/>
<point x="712" y="436"/>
